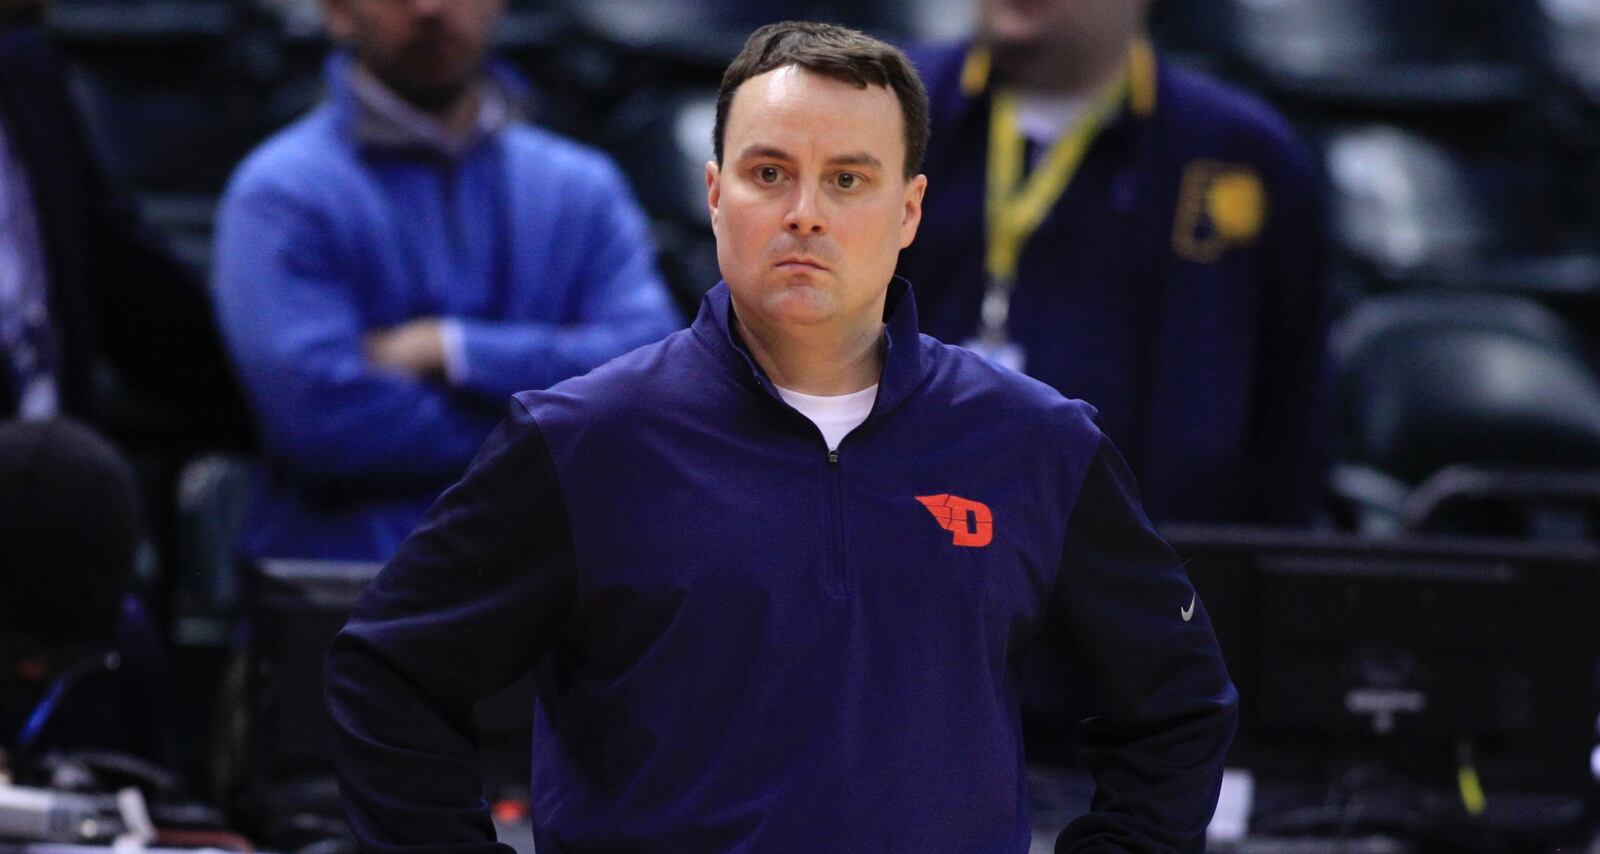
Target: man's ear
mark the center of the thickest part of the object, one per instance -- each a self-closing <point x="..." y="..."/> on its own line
<point x="713" y="188"/>
<point x="912" y="217"/>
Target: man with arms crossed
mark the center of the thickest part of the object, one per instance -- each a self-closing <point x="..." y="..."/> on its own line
<point x="776" y="571"/>
<point x="401" y="259"/>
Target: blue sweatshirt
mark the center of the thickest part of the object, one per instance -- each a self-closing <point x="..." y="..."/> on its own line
<point x="530" y="243"/>
<point x="750" y="644"/>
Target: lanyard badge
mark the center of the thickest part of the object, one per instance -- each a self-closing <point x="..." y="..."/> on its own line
<point x="1015" y="205"/>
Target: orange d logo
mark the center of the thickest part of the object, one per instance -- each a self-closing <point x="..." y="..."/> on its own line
<point x="970" y="521"/>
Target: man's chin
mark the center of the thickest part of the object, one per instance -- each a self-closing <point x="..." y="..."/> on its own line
<point x="429" y="92"/>
<point x="1012" y="51"/>
<point x="802" y="305"/>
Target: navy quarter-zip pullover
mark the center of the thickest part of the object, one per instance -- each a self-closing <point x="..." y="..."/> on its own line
<point x="751" y="644"/>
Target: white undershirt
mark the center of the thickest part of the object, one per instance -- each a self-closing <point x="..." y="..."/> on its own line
<point x="835" y="415"/>
<point x="1044" y="118"/>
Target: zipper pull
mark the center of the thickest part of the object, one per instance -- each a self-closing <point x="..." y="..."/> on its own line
<point x="833" y="455"/>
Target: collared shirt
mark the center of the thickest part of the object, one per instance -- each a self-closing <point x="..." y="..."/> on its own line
<point x="26" y="339"/>
<point x="385" y="120"/>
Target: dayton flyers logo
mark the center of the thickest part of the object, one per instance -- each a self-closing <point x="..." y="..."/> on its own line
<point x="970" y="521"/>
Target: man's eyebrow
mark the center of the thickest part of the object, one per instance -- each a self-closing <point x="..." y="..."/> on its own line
<point x="857" y="158"/>
<point x="753" y="151"/>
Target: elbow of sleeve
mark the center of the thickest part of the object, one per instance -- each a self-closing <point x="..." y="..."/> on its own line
<point x="1226" y="713"/>
<point x="340" y="670"/>
<point x="1202" y="740"/>
<point x="327" y="432"/>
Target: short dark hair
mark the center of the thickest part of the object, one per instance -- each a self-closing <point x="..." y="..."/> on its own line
<point x="69" y="532"/>
<point x="837" y="52"/>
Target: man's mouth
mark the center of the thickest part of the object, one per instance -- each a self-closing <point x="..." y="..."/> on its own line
<point x="799" y="262"/>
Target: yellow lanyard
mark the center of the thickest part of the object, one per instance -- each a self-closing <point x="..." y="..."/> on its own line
<point x="1013" y="206"/>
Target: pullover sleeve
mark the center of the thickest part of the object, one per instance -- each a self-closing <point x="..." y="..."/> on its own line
<point x="619" y="303"/>
<point x="1123" y="613"/>
<point x="288" y="308"/>
<point x="471" y="600"/>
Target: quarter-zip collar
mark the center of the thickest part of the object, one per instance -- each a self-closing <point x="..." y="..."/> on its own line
<point x="903" y="364"/>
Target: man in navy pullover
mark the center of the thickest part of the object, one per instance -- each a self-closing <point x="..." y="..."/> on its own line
<point x="777" y="570"/>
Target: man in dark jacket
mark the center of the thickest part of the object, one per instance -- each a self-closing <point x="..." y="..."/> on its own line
<point x="97" y="320"/>
<point x="778" y="569"/>
<point x="1138" y="236"/>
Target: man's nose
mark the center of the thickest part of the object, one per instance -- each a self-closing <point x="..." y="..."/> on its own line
<point x="805" y="216"/>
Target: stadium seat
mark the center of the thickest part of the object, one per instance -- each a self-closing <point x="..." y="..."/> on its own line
<point x="155" y="80"/>
<point x="1431" y="382"/>
<point x="1380" y="51"/>
<point x="213" y="498"/>
<point x="717" y="28"/>
<point x="1572" y="41"/>
<point x="1470" y="206"/>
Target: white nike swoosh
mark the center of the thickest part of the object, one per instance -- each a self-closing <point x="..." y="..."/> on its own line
<point x="1188" y="613"/>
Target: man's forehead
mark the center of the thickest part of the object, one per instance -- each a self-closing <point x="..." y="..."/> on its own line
<point x="795" y="83"/>
<point x="859" y="120"/>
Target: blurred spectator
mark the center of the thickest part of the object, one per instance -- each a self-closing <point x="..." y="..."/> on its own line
<point x="392" y="267"/>
<point x="97" y="320"/>
<point x="1137" y="236"/>
<point x="80" y="666"/>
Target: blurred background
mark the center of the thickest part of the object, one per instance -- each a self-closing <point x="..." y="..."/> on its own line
<point x="1458" y="142"/>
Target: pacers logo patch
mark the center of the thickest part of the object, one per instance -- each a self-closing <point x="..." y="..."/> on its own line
<point x="1220" y="205"/>
<point x="970" y="521"/>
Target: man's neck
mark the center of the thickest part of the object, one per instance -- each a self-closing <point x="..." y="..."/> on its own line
<point x="1053" y="71"/>
<point x="460" y="115"/>
<point x="456" y="116"/>
<point x="820" y="363"/>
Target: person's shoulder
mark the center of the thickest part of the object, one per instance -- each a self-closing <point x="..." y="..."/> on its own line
<point x="938" y="62"/>
<point x="962" y="379"/>
<point x="555" y="155"/>
<point x="940" y="65"/>
<point x="304" y="155"/>
<point x="630" y="389"/>
<point x="1200" y="102"/>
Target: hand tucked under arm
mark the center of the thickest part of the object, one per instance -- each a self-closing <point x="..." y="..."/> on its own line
<point x="415" y="347"/>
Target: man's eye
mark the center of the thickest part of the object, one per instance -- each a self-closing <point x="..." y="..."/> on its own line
<point x="767" y="174"/>
<point x="847" y="181"/>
